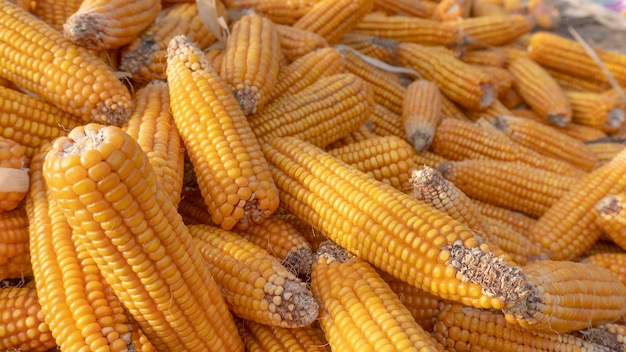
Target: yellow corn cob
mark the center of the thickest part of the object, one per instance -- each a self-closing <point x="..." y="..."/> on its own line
<point x="152" y="126"/>
<point x="604" y="151"/>
<point x="484" y="57"/>
<point x="462" y="328"/>
<point x="76" y="301"/>
<point x="495" y="30"/>
<point x="398" y="234"/>
<point x="582" y="132"/>
<point x="568" y="228"/>
<point x="602" y="246"/>
<point x="615" y="262"/>
<point x="62" y="73"/>
<point x="571" y="82"/>
<point x="378" y="48"/>
<point x="387" y="90"/>
<point x="21" y="322"/>
<point x="359" y="135"/>
<point x="386" y="123"/>
<point x="594" y="109"/>
<point x="567" y="296"/>
<point x="569" y="56"/>
<point x="14" y="253"/>
<point x="540" y="91"/>
<point x="314" y="114"/>
<point x="282" y="240"/>
<point x="458" y="140"/>
<point x="516" y="220"/>
<point x="358" y="310"/>
<point x="32" y="122"/>
<point x="424" y="306"/>
<point x="388" y="159"/>
<point x="55" y="13"/>
<point x="305" y="70"/>
<point x="509" y="184"/>
<point x="254" y="284"/>
<point x="278" y="11"/>
<point x="611" y="217"/>
<point x="463" y="84"/>
<point x="428" y="158"/>
<point x="250" y="64"/>
<point x="409" y="8"/>
<point x="421" y="113"/>
<point x="408" y="29"/>
<point x="104" y="25"/>
<point x="547" y="140"/>
<point x="13" y="175"/>
<point x="502" y="79"/>
<point x="263" y="338"/>
<point x="448" y="11"/>
<point x="232" y="173"/>
<point x="331" y="19"/>
<point x="430" y="186"/>
<point x="481" y="8"/>
<point x="145" y="58"/>
<point x="296" y="42"/>
<point x="132" y="231"/>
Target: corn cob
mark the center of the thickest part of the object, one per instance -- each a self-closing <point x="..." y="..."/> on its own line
<point x="484" y="57"/>
<point x="569" y="56"/>
<point x="254" y="284"/>
<point x="568" y="228"/>
<point x="145" y="58"/>
<point x="250" y="64"/>
<point x="152" y="126"/>
<point x="296" y="42"/>
<point x="458" y="140"/>
<point x="421" y="113"/>
<point x="481" y="8"/>
<point x="331" y="19"/>
<point x="278" y="11"/>
<point x="545" y="13"/>
<point x="611" y="217"/>
<point x="509" y="184"/>
<point x="567" y="296"/>
<point x="604" y="151"/>
<point x="260" y="338"/>
<point x="540" y="91"/>
<point x="55" y="13"/>
<point x="77" y="303"/>
<point x="60" y="72"/>
<point x="502" y="79"/>
<point x="14" y="253"/>
<point x="612" y="335"/>
<point x="232" y="173"/>
<point x="13" y="174"/>
<point x="32" y="122"/>
<point x="389" y="229"/>
<point x="386" y="123"/>
<point x="388" y="159"/>
<point x="495" y="30"/>
<point x="615" y="262"/>
<point x="516" y="220"/>
<point x="409" y="8"/>
<point x="582" y="132"/>
<point x="602" y="246"/>
<point x="462" y="328"/>
<point x="104" y="25"/>
<point x="282" y="240"/>
<point x="460" y="82"/>
<point x="378" y="48"/>
<point x="489" y="114"/>
<point x="594" y="109"/>
<point x="408" y="29"/>
<point x="571" y="82"/>
<point x="428" y="158"/>
<point x="547" y="140"/>
<point x="22" y="323"/>
<point x="305" y="70"/>
<point x="358" y="310"/>
<point x="448" y="11"/>
<point x="358" y="135"/>
<point x="133" y="233"/>
<point x="315" y="114"/>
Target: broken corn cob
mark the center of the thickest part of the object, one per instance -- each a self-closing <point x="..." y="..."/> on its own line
<point x="398" y="234"/>
<point x="250" y="63"/>
<point x="21" y="323"/>
<point x="254" y="284"/>
<point x="358" y="309"/>
<point x="421" y="113"/>
<point x="132" y="231"/>
<point x="232" y="174"/>
<point x="62" y="73"/>
<point x="611" y="217"/>
<point x="109" y="24"/>
<point x="14" y="253"/>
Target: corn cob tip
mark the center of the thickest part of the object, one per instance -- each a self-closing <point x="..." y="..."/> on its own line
<point x="616" y="117"/>
<point x="609" y="205"/>
<point x="132" y="61"/>
<point x="332" y="252"/>
<point x="421" y="139"/>
<point x="84" y="29"/>
<point x="488" y="95"/>
<point x="297" y="307"/>
<point x="299" y="261"/>
<point x="601" y="336"/>
<point x="425" y="179"/>
<point x="184" y="48"/>
<point x="79" y="140"/>
<point x="559" y="120"/>
<point x="113" y="112"/>
<point x="497" y="277"/>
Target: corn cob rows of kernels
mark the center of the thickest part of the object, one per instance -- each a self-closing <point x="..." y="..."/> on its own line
<point x="201" y="223"/>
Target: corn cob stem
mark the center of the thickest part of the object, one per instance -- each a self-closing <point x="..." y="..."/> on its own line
<point x="137" y="239"/>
